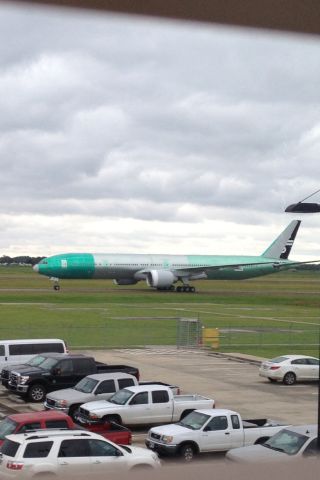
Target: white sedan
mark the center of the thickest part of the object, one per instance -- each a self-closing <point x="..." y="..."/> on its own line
<point x="290" y="368"/>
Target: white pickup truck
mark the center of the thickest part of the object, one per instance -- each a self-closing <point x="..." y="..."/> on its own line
<point x="210" y="430"/>
<point x="143" y="405"/>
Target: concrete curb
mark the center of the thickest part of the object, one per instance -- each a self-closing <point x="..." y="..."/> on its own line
<point x="239" y="357"/>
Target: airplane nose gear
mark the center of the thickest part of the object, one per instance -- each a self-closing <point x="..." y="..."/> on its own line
<point x="55" y="281"/>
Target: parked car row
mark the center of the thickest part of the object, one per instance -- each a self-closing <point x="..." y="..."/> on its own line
<point x="94" y="387"/>
<point x="65" y="439"/>
<point x="89" y="405"/>
<point x="53" y="371"/>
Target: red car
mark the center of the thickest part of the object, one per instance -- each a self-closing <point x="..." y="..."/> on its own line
<point x="23" y="422"/>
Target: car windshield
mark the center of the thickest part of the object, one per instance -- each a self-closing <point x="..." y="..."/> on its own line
<point x="194" y="420"/>
<point x="48" y="363"/>
<point x="36" y="361"/>
<point x="121" y="397"/>
<point x="86" y="385"/>
<point x="7" y="426"/>
<point x="286" y="441"/>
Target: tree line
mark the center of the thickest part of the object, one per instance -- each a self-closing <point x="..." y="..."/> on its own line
<point x="22" y="259"/>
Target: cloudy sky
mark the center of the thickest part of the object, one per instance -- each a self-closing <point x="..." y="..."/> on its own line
<point x="134" y="135"/>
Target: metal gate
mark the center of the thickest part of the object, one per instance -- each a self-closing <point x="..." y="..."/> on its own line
<point x="189" y="333"/>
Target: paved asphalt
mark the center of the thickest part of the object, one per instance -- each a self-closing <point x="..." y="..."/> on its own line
<point x="231" y="380"/>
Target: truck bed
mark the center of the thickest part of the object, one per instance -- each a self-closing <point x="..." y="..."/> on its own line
<point x="191" y="397"/>
<point x="110" y="430"/>
<point x="261" y="422"/>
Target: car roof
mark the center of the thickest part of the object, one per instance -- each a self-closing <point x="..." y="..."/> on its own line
<point x="34" y="416"/>
<point x="293" y="357"/>
<point x="147" y="388"/>
<point x="51" y="433"/>
<point x="110" y="375"/>
<point x="32" y="340"/>
<point x="63" y="355"/>
<point x="216" y="411"/>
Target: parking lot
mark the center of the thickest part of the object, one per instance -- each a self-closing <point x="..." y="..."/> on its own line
<point x="232" y="381"/>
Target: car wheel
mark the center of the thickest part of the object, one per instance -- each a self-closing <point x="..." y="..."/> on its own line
<point x="272" y="380"/>
<point x="73" y="410"/>
<point x="112" y="418"/>
<point x="289" y="378"/>
<point x="44" y="475"/>
<point x="36" y="393"/>
<point x="187" y="452"/>
<point x="141" y="468"/>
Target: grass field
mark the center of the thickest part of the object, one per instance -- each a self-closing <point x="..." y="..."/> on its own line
<point x="265" y="316"/>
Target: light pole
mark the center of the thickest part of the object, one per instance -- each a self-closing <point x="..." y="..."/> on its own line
<point x="307" y="207"/>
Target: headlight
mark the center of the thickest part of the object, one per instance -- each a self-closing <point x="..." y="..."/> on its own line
<point x="93" y="416"/>
<point x="24" y="379"/>
<point x="166" y="438"/>
<point x="62" y="403"/>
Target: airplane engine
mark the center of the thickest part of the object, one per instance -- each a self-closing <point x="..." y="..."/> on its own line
<point x="160" y="278"/>
<point x="125" y="281"/>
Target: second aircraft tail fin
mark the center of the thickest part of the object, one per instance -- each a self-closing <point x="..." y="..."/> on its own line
<point x="281" y="246"/>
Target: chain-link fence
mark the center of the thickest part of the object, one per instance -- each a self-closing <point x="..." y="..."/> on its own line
<point x="181" y="332"/>
<point x="292" y="338"/>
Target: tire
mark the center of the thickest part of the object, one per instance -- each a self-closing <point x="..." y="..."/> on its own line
<point x="272" y="380"/>
<point x="141" y="468"/>
<point x="72" y="410"/>
<point x="113" y="418"/>
<point x="37" y="393"/>
<point x="187" y="452"/>
<point x="44" y="475"/>
<point x="289" y="378"/>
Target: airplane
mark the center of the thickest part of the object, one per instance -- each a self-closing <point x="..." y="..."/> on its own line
<point x="161" y="272"/>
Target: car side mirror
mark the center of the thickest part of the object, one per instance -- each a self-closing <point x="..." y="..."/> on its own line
<point x="56" y="371"/>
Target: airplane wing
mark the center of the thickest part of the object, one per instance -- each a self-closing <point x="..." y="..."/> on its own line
<point x="276" y="263"/>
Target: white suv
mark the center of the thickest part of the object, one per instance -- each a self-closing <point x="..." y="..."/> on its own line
<point x="74" y="453"/>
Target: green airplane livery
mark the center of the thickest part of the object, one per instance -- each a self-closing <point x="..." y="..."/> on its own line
<point x="163" y="271"/>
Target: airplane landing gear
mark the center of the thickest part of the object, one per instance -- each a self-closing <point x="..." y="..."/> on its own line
<point x="56" y="285"/>
<point x="179" y="289"/>
<point x="185" y="288"/>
